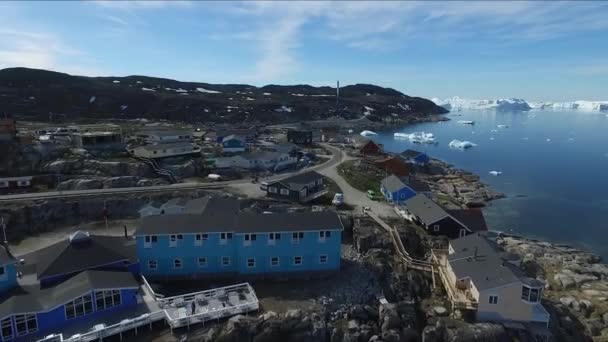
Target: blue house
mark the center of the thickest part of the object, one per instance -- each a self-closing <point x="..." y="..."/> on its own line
<point x="233" y="144"/>
<point x="78" y="280"/>
<point x="224" y="243"/>
<point x="8" y="271"/>
<point x="415" y="157"/>
<point x="395" y="190"/>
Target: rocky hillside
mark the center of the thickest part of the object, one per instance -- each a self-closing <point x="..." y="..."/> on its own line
<point x="41" y="94"/>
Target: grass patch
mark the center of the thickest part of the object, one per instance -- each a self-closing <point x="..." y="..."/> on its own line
<point x="361" y="176"/>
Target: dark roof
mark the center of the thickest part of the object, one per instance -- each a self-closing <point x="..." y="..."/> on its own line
<point x="67" y="256"/>
<point x="299" y="181"/>
<point x="392" y="183"/>
<point x="236" y="131"/>
<point x="411" y="153"/>
<point x="5" y="256"/>
<point x="427" y="211"/>
<point x="262" y="155"/>
<point x="32" y="298"/>
<point x="164" y="146"/>
<point x="417" y="185"/>
<point x="245" y="222"/>
<point x="477" y="258"/>
<point x="393" y="165"/>
<point x="472" y="218"/>
<point x="319" y="220"/>
<point x="168" y="133"/>
<point x="233" y="136"/>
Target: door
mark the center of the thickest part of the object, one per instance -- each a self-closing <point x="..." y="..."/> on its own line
<point x="463" y="232"/>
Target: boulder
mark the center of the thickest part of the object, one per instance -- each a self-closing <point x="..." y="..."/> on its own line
<point x="120" y="182"/>
<point x="567" y="301"/>
<point x="389" y="317"/>
<point x="565" y="281"/>
<point x="605" y="318"/>
<point x="440" y="311"/>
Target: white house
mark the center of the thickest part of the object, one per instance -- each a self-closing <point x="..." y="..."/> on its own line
<point x="167" y="136"/>
<point x="272" y="161"/>
<point x="165" y="150"/>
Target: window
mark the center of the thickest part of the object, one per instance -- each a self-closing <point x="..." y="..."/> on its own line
<point x="79" y="307"/>
<point x="199" y="238"/>
<point x="284" y="192"/>
<point x="202" y="262"/>
<point x="149" y="240"/>
<point x="226" y="261"/>
<point x="2" y="272"/>
<point x="224" y="237"/>
<point x="297" y="260"/>
<point x="6" y="328"/>
<point x="173" y="239"/>
<point x="152" y="264"/>
<point x="27" y="324"/>
<point x="107" y="299"/>
<point x="272" y="237"/>
<point x="534" y="295"/>
<point x="177" y="264"/>
<point x="436" y="227"/>
<point x="250" y="262"/>
<point x="493" y="299"/>
<point x="323" y="259"/>
<point x="320" y="181"/>
<point x="274" y="261"/>
<point x="530" y="294"/>
<point x="296" y="237"/>
<point x="525" y="293"/>
<point x="248" y="238"/>
<point x="272" y="189"/>
<point x="324" y="234"/>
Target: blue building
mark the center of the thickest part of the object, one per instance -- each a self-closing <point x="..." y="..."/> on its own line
<point x="77" y="280"/>
<point x="415" y="157"/>
<point x="233" y="144"/>
<point x="395" y="190"/>
<point x="224" y="243"/>
<point x="8" y="271"/>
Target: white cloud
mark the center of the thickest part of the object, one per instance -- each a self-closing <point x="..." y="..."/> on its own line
<point x="134" y="5"/>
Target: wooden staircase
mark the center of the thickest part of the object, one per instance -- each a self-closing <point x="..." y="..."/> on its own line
<point x="168" y="174"/>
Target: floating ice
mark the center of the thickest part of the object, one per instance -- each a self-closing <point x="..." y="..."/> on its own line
<point x="526" y="138"/>
<point x="466" y="122"/>
<point x="492" y="138"/>
<point x="503" y="126"/>
<point x="417" y="137"/>
<point x="368" y="133"/>
<point x="494" y="131"/>
<point x="570" y="139"/>
<point x="548" y="139"/>
<point x="496" y="173"/>
<point x="461" y="144"/>
<point x="207" y="91"/>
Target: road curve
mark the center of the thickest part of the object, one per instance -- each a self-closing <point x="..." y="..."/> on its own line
<point x="335" y="159"/>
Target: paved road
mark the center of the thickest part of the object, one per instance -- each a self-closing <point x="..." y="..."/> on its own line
<point x="352" y="196"/>
<point x="335" y="159"/>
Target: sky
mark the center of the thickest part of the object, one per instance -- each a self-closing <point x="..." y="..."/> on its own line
<point x="544" y="50"/>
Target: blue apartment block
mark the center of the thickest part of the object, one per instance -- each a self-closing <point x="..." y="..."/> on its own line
<point x="8" y="271"/>
<point x="245" y="243"/>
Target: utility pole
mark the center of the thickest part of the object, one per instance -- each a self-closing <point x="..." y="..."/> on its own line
<point x="4" y="230"/>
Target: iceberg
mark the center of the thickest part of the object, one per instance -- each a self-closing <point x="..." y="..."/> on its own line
<point x="503" y="126"/>
<point x="417" y="137"/>
<point x="368" y="133"/>
<point x="596" y="106"/>
<point x="461" y="144"/>
<point x="466" y="122"/>
<point x="457" y="104"/>
<point x="496" y="173"/>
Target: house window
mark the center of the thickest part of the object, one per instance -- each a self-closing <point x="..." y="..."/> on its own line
<point x="284" y="192"/>
<point x="177" y="264"/>
<point x="224" y="237"/>
<point x="323" y="259"/>
<point x="296" y="237"/>
<point x="272" y="189"/>
<point x="107" y="299"/>
<point x="436" y="228"/>
<point x="274" y="261"/>
<point x="27" y="324"/>
<point x="152" y="264"/>
<point x="202" y="262"/>
<point x="77" y="308"/>
<point x="6" y="328"/>
<point x="2" y="272"/>
<point x="248" y="238"/>
<point x="493" y="299"/>
<point x="199" y="238"/>
<point x="173" y="239"/>
<point x="226" y="261"/>
<point x="149" y="239"/>
<point x="324" y="234"/>
<point x="530" y="294"/>
<point x="250" y="262"/>
<point x="272" y="237"/>
<point x="297" y="260"/>
<point x="319" y="181"/>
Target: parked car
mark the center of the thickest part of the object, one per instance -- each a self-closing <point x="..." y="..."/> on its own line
<point x="214" y="177"/>
<point x="338" y="199"/>
<point x="371" y="194"/>
<point x="264" y="186"/>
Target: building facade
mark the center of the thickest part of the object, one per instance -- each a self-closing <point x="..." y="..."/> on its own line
<point x="233" y="144"/>
<point x="165" y="150"/>
<point x="395" y="191"/>
<point x="243" y="244"/>
<point x="301" y="188"/>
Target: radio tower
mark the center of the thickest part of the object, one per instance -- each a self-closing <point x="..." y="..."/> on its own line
<point x="337" y="97"/>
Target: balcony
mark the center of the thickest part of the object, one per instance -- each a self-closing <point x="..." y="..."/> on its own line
<point x="460" y="299"/>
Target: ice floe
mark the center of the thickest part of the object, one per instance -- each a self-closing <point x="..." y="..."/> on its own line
<point x="417" y="137"/>
<point x="466" y="122"/>
<point x="368" y="133"/>
<point x="461" y="144"/>
<point x="496" y="173"/>
<point x="503" y="126"/>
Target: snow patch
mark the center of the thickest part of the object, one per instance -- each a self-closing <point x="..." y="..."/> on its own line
<point x="115" y="81"/>
<point x="292" y="94"/>
<point x="417" y="137"/>
<point x="123" y="107"/>
<point x="138" y="82"/>
<point x="266" y="94"/>
<point x="284" y="109"/>
<point x="466" y="122"/>
<point x="207" y="91"/>
<point x="321" y="95"/>
<point x="249" y="99"/>
<point x="368" y="133"/>
<point x="92" y="99"/>
<point x="147" y="89"/>
<point x="461" y="144"/>
<point x="368" y="110"/>
<point x="496" y="173"/>
<point x="404" y="107"/>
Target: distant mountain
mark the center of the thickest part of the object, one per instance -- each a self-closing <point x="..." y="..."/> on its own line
<point x="39" y="94"/>
<point x="457" y="103"/>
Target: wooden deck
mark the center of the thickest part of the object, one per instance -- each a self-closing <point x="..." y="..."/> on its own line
<point x="458" y="297"/>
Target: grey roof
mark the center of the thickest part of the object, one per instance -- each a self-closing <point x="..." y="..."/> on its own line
<point x="477" y="258"/>
<point x="427" y="211"/>
<point x="244" y="222"/>
<point x="5" y="256"/>
<point x="161" y="146"/>
<point x="411" y="153"/>
<point x="67" y="256"/>
<point x="281" y="222"/>
<point x="29" y="299"/>
<point x="262" y="155"/>
<point x="299" y="181"/>
<point x="232" y="136"/>
<point x="169" y="132"/>
<point x="236" y="131"/>
<point x="417" y="185"/>
<point x="178" y="201"/>
<point x="198" y="205"/>
<point x="392" y="183"/>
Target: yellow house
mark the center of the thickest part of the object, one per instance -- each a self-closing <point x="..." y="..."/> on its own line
<point x="479" y="276"/>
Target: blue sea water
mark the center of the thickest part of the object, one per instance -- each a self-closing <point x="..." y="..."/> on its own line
<point x="554" y="168"/>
